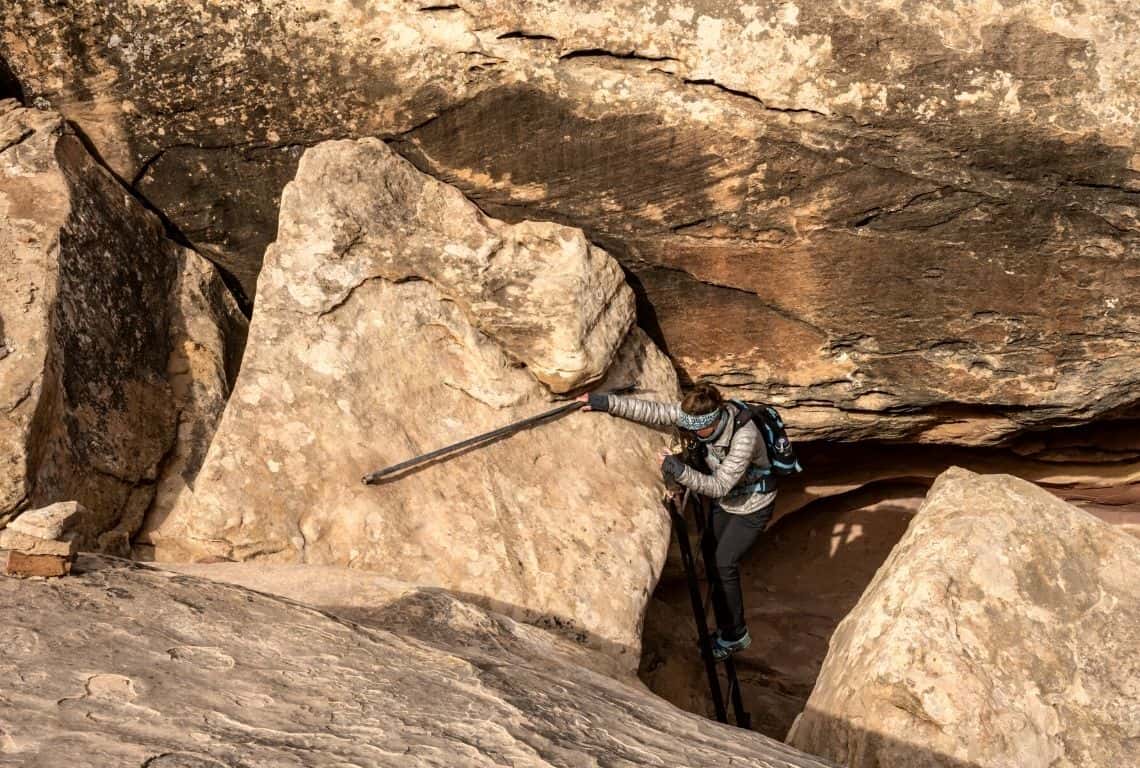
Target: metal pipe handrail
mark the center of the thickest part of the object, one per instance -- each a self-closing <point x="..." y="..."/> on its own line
<point x="374" y="477"/>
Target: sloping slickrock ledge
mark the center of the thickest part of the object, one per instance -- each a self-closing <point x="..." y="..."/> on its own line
<point x="126" y="665"/>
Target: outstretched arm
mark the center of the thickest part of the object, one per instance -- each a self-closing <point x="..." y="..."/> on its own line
<point x="635" y="409"/>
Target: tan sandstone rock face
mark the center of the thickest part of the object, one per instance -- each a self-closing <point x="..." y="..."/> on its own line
<point x="899" y="220"/>
<point x="357" y="361"/>
<point x="555" y="303"/>
<point x="207" y="337"/>
<point x="1001" y="632"/>
<point x="87" y="277"/>
<point x="212" y="675"/>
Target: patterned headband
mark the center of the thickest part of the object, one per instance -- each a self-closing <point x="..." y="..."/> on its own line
<point x="693" y="423"/>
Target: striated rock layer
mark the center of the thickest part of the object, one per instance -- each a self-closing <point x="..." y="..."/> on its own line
<point x="130" y="666"/>
<point x="365" y="350"/>
<point x="90" y="409"/>
<point x="1001" y="632"/>
<point x="909" y="221"/>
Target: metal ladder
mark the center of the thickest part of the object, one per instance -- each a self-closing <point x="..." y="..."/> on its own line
<point x="678" y="512"/>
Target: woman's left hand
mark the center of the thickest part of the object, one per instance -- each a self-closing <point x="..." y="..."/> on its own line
<point x="671" y="466"/>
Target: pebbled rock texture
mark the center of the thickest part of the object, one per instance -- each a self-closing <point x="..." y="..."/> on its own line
<point x="87" y="332"/>
<point x="365" y="350"/>
<point x="130" y="666"/>
<point x="899" y="220"/>
<point x="1001" y="632"/>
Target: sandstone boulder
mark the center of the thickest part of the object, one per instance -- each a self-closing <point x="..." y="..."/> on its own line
<point x="34" y="545"/>
<point x="899" y="220"/>
<point x="207" y="341"/>
<point x="1001" y="632"/>
<point x="87" y="410"/>
<point x="50" y="522"/>
<point x="42" y="542"/>
<point x="126" y="665"/>
<point x="22" y="564"/>
<point x="359" y="212"/>
<point x="393" y="319"/>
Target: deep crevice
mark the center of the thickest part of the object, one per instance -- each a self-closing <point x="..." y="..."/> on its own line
<point x="803" y="576"/>
<point x="244" y="302"/>
<point x="10" y="86"/>
<point x="633" y="55"/>
<point x="834" y="528"/>
<point x="752" y="97"/>
<point x="1100" y="186"/>
<point x="520" y="35"/>
<point x="867" y="217"/>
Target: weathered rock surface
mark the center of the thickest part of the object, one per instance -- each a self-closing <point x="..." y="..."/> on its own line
<point x="34" y="545"/>
<point x="207" y="341"/>
<point x="554" y="302"/>
<point x="87" y="410"/>
<point x="910" y="221"/>
<point x="369" y="598"/>
<point x="126" y="665"/>
<point x="1002" y="631"/>
<point x="14" y="562"/>
<point x="50" y="522"/>
<point x="352" y="366"/>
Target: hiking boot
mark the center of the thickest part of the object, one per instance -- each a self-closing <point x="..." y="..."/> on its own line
<point x="722" y="649"/>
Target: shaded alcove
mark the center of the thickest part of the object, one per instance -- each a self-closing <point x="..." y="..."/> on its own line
<point x="799" y="581"/>
<point x="834" y="526"/>
<point x="10" y="87"/>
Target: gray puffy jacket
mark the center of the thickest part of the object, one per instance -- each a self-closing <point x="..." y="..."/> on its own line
<point x="734" y="457"/>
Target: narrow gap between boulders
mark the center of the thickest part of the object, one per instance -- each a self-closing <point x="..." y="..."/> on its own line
<point x="800" y="580"/>
<point x="244" y="302"/>
<point x="834" y="527"/>
<point x="10" y="86"/>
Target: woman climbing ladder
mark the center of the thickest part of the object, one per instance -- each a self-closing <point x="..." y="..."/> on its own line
<point x="738" y="481"/>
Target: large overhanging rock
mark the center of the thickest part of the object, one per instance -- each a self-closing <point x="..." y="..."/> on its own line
<point x="357" y="360"/>
<point x="1002" y="631"/>
<point x="899" y="220"/>
<point x="89" y="342"/>
<point x="128" y="665"/>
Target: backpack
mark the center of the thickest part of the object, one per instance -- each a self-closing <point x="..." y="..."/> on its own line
<point x="781" y="454"/>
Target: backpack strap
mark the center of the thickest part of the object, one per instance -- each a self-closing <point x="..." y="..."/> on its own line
<point x="743" y="414"/>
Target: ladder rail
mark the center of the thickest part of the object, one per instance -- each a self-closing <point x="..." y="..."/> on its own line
<point x="708" y="552"/>
<point x="703" y="638"/>
<point x="703" y="516"/>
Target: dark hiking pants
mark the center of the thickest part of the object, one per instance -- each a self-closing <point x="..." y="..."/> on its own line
<point x="735" y="535"/>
